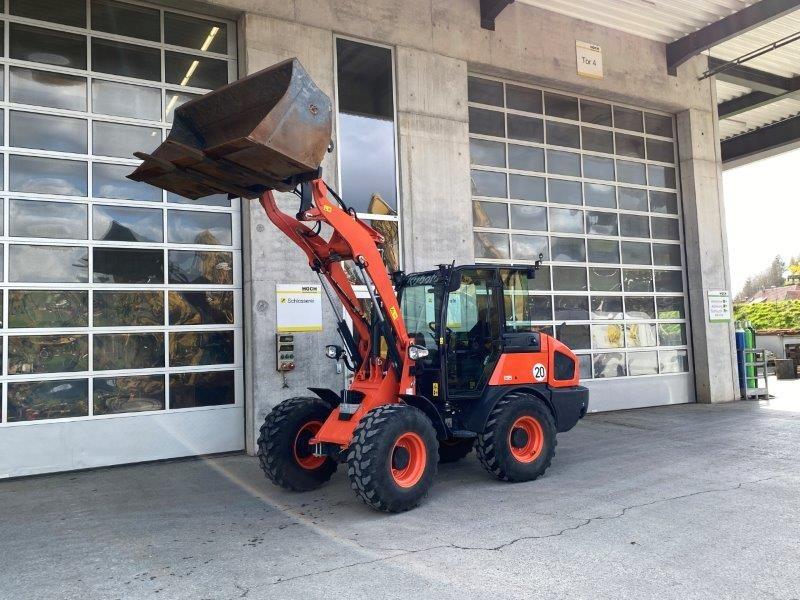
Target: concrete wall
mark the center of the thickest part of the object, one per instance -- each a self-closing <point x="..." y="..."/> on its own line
<point x="436" y="43"/>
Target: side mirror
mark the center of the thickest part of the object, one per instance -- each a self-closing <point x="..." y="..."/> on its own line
<point x="455" y="281"/>
<point x="416" y="352"/>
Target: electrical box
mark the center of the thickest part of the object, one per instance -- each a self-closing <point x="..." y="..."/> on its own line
<point x="284" y="344"/>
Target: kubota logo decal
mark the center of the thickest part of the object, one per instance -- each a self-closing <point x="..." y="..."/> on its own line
<point x="327" y="208"/>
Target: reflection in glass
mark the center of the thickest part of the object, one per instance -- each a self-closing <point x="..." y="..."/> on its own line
<point x="533" y="218"/>
<point x="523" y="98"/>
<point x="66" y="12"/>
<point x="47" y="219"/>
<point x="639" y="307"/>
<point x="568" y="249"/>
<point x="642" y="363"/>
<point x="632" y="198"/>
<point x="563" y="191"/>
<point x="671" y="307"/>
<point x="575" y="336"/>
<point x="48" y="264"/>
<point x="47" y="46"/>
<point x="29" y="354"/>
<point x="36" y="400"/>
<point x="596" y="113"/>
<point x="597" y="140"/>
<point x="631" y="172"/>
<point x="557" y="105"/>
<point x="43" y="88"/>
<point x="390" y="248"/>
<point x="669" y="281"/>
<point x="629" y="145"/>
<point x="563" y="163"/>
<point x="212" y="200"/>
<point x="200" y="308"/>
<point x="200" y="348"/>
<point x="491" y="245"/>
<point x="200" y="267"/>
<point x="660" y="150"/>
<point x="586" y="366"/>
<point x="597" y="167"/>
<point x="569" y="279"/>
<point x="571" y="308"/>
<point x="47" y="132"/>
<point x="128" y="309"/>
<point x="663" y="202"/>
<point x="128" y="265"/>
<point x="46" y="308"/>
<point x="486" y="122"/>
<point x="174" y="100"/>
<point x="607" y="337"/>
<point x="128" y="351"/>
<point x="484" y="152"/>
<point x="563" y="134"/>
<point x="673" y="361"/>
<point x="668" y="255"/>
<point x="521" y="310"/>
<point x="110" y="181"/>
<point x="603" y="251"/>
<point x="529" y="247"/>
<point x="191" y="32"/>
<point x="126" y="100"/>
<point x="636" y="253"/>
<point x="366" y="123"/>
<point x="565" y="220"/>
<point x="634" y="226"/>
<point x="606" y="307"/>
<point x="523" y="187"/>
<point x="601" y="223"/>
<point x="626" y="118"/>
<point x="195" y="71"/>
<point x="115" y="395"/>
<point x="193" y="227"/>
<point x="638" y="280"/>
<point x="48" y="176"/>
<point x="488" y="183"/>
<point x="661" y="176"/>
<point x="609" y="364"/>
<point x="640" y="335"/>
<point x="605" y="280"/>
<point x="484" y="91"/>
<point x="672" y="334"/>
<point x="600" y="195"/>
<point x="188" y="390"/>
<point x="665" y="228"/>
<point x="513" y="279"/>
<point x="658" y="124"/>
<point x="525" y="158"/>
<point x="127" y="224"/>
<point x="118" y="139"/>
<point x="126" y="19"/>
<point x="128" y="60"/>
<point x="490" y="214"/>
<point x="529" y="129"/>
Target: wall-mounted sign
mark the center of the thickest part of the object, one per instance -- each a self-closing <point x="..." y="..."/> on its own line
<point x="590" y="59"/>
<point x="299" y="307"/>
<point x="719" y="306"/>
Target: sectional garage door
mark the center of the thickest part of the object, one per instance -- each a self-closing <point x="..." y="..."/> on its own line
<point x="121" y="304"/>
<point x="593" y="187"/>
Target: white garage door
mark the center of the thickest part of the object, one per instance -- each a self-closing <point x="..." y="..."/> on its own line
<point x="593" y="187"/>
<point x="121" y="311"/>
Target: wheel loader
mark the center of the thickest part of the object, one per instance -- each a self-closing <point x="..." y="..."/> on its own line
<point x="440" y="361"/>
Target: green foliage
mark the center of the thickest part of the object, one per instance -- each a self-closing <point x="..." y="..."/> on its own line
<point x="771" y="315"/>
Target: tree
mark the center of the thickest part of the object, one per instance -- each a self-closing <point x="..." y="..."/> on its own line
<point x="770" y="277"/>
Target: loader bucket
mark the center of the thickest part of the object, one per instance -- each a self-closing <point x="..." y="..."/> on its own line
<point x="269" y="130"/>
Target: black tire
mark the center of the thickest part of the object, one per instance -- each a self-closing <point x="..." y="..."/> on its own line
<point x="497" y="444"/>
<point x="375" y="464"/>
<point x="281" y="446"/>
<point x="455" y="449"/>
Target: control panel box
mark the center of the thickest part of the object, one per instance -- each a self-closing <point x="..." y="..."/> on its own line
<point x="284" y="344"/>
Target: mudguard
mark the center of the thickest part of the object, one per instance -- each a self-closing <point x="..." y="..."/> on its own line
<point x="426" y="406"/>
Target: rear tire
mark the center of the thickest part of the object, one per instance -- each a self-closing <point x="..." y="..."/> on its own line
<point x="283" y="450"/>
<point x="519" y="439"/>
<point x="455" y="449"/>
<point x="392" y="458"/>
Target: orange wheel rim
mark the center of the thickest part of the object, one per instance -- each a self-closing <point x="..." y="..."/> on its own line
<point x="302" y="448"/>
<point x="526" y="439"/>
<point x="409" y="457"/>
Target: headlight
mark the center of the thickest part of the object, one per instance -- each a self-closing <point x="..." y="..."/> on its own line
<point x="416" y="352"/>
<point x="332" y="351"/>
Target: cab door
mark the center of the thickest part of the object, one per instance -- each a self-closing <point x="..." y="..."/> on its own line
<point x="472" y="331"/>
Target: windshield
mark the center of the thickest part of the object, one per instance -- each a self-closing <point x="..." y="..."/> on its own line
<point x="420" y="301"/>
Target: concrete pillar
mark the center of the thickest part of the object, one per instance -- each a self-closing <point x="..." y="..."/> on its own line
<point x="706" y="254"/>
<point x="434" y="159"/>
<point x="269" y="258"/>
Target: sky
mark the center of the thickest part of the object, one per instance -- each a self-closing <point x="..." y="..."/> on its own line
<point x="762" y="210"/>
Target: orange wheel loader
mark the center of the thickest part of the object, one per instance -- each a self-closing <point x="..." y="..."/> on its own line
<point x="439" y="364"/>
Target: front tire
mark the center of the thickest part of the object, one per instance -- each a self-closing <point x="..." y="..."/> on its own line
<point x="392" y="458"/>
<point x="283" y="449"/>
<point x="519" y="439"/>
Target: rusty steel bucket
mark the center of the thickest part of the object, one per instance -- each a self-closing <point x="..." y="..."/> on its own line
<point x="269" y="130"/>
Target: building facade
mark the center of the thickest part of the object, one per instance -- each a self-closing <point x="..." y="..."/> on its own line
<point x="139" y="326"/>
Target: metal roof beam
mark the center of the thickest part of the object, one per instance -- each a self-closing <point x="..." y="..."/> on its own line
<point x="715" y="33"/>
<point x="753" y="100"/>
<point x="490" y="10"/>
<point x="763" y="140"/>
<point x="758" y="81"/>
